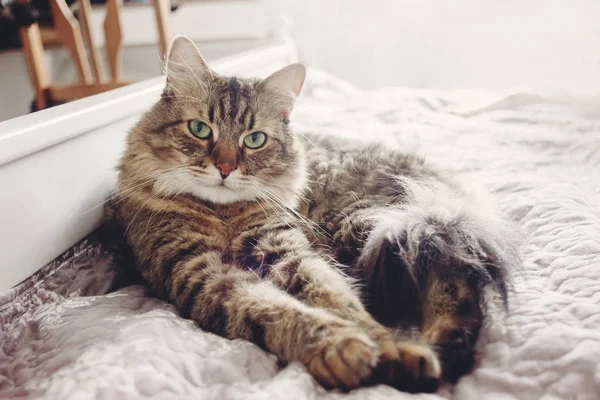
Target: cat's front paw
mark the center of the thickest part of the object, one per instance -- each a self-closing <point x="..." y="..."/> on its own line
<point x="343" y="358"/>
<point x="416" y="368"/>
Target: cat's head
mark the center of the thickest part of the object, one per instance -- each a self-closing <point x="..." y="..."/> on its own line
<point x="218" y="138"/>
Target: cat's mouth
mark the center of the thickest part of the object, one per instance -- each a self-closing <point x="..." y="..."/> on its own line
<point x="215" y="183"/>
<point x="222" y="184"/>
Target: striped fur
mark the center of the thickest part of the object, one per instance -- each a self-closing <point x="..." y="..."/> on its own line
<point x="255" y="255"/>
<point x="230" y="251"/>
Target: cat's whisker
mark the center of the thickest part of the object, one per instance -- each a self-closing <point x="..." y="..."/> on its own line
<point x="128" y="189"/>
<point x="284" y="209"/>
<point x="137" y="212"/>
<point x="273" y="184"/>
<point x="261" y="206"/>
<point x="261" y="195"/>
<point x="307" y="187"/>
<point x="305" y="137"/>
<point x="300" y="196"/>
<point x="279" y="209"/>
<point x="278" y="201"/>
<point x="358" y="200"/>
<point x="276" y="196"/>
<point x="115" y="195"/>
<point x="169" y="196"/>
<point x="153" y="195"/>
<point x="152" y="177"/>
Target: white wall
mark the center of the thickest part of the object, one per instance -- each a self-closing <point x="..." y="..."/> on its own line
<point x="452" y="43"/>
<point x="493" y="44"/>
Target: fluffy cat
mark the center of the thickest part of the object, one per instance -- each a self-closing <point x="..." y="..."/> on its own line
<point x="212" y="200"/>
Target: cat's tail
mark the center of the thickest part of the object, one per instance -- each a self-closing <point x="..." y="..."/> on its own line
<point x="437" y="230"/>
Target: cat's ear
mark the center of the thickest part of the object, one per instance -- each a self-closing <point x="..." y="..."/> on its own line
<point x="184" y="59"/>
<point x="284" y="86"/>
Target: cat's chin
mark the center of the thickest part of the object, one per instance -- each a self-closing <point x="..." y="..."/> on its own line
<point x="220" y="194"/>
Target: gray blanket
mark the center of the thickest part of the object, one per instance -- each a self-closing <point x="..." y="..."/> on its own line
<point x="66" y="333"/>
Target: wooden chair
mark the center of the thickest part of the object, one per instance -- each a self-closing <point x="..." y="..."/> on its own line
<point x="74" y="36"/>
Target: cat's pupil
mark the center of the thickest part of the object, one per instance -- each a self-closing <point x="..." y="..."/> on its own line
<point x="254" y="136"/>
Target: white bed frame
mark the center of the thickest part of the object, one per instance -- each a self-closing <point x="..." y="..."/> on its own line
<point x="58" y="165"/>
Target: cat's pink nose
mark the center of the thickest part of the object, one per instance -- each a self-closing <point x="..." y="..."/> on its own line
<point x="225" y="169"/>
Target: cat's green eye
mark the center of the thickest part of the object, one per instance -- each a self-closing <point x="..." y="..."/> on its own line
<point x="199" y="129"/>
<point x="255" y="140"/>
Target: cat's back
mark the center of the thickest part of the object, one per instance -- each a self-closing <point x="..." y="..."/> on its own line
<point x="326" y="151"/>
<point x="339" y="166"/>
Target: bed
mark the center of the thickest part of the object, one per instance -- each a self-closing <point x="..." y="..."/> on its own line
<point x="71" y="327"/>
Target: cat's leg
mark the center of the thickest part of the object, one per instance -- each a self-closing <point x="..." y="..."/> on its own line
<point x="236" y="303"/>
<point x="294" y="267"/>
<point x="405" y="364"/>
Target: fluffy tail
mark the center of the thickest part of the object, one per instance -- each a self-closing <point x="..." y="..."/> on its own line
<point x="438" y="230"/>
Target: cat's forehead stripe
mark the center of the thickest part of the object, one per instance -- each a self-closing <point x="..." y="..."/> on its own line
<point x="221" y="108"/>
<point x="251" y="124"/>
<point x="234" y="101"/>
<point x="234" y="89"/>
<point x="247" y="116"/>
<point x="242" y="118"/>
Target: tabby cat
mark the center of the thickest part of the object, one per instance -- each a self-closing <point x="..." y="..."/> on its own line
<point x="311" y="248"/>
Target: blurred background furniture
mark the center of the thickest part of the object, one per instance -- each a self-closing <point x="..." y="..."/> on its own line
<point x="76" y="36"/>
<point x="220" y="28"/>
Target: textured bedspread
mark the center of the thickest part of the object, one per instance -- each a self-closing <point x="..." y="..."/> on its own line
<point x="65" y="333"/>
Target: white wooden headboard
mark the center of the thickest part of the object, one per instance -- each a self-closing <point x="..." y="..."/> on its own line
<point x="58" y="165"/>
